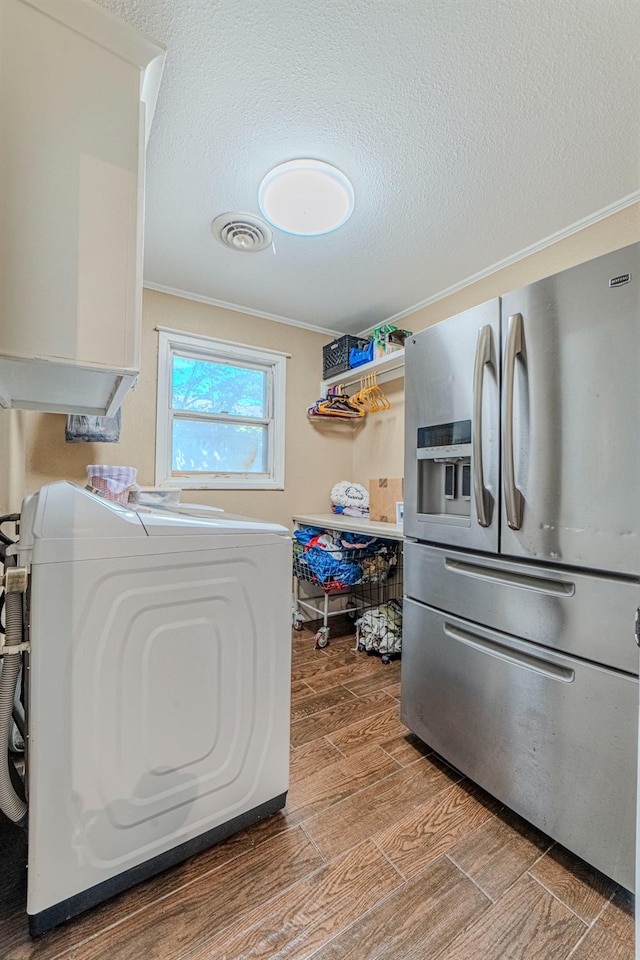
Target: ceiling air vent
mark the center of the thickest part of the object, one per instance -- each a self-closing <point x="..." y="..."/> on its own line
<point x="241" y="231"/>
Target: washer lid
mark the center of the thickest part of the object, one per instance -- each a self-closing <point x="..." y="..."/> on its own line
<point x="189" y="519"/>
<point x="65" y="511"/>
<point x="64" y="522"/>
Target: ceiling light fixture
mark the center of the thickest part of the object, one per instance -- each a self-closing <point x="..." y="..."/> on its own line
<point x="306" y="197"/>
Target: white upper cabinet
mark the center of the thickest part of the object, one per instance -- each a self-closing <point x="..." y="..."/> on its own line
<point x="77" y="93"/>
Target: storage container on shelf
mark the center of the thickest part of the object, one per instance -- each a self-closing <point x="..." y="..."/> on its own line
<point x="335" y="355"/>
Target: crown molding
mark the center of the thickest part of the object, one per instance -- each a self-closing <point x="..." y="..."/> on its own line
<point x="602" y="214"/>
<point x="238" y="308"/>
<point x="576" y="227"/>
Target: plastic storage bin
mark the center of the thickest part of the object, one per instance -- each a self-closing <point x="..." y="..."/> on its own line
<point x="335" y="355"/>
<point x="359" y="356"/>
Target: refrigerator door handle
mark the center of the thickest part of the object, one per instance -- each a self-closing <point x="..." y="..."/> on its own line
<point x="503" y="652"/>
<point x="512" y="578"/>
<point x="513" y="499"/>
<point x="484" y="355"/>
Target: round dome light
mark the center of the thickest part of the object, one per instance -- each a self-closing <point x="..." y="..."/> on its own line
<point x="306" y="197"/>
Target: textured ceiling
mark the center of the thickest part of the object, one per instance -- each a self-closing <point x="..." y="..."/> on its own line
<point x="470" y="129"/>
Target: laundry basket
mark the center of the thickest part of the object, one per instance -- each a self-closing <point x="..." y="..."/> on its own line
<point x="113" y="483"/>
<point x="337" y="561"/>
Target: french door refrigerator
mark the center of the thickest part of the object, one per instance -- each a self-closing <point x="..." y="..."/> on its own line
<point x="522" y="565"/>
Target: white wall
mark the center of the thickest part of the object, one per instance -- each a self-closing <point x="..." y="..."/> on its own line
<point x="316" y="458"/>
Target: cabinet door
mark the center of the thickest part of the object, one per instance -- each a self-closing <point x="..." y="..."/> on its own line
<point x="77" y="93"/>
<point x="71" y="166"/>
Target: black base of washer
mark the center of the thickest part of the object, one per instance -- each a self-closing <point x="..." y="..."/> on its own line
<point x="39" y="923"/>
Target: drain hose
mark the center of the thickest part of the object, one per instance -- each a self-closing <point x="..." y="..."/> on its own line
<point x="10" y="803"/>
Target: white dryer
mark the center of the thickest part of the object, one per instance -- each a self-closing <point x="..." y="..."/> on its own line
<point x="158" y="689"/>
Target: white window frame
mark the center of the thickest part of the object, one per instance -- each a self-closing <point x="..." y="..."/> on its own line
<point x="172" y="342"/>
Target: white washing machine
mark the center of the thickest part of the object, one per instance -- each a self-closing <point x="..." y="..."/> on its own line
<point x="158" y="689"/>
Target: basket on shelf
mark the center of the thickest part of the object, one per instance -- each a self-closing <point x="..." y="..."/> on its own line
<point x="336" y="567"/>
<point x="335" y="355"/>
<point x="358" y="355"/>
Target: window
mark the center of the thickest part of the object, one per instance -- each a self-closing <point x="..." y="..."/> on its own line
<point x="220" y="416"/>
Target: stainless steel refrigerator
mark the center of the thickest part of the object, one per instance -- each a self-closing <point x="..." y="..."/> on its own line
<point x="522" y="569"/>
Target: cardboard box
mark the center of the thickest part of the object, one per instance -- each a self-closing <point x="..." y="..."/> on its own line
<point x="384" y="493"/>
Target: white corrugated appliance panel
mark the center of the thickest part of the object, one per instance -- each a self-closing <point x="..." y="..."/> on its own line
<point x="159" y="695"/>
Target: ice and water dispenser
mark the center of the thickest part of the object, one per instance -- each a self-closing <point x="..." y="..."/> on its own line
<point x="444" y="470"/>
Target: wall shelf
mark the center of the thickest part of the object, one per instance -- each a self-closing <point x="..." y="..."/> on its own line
<point x="390" y="367"/>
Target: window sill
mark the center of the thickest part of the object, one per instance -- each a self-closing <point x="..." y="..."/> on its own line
<point x="188" y="483"/>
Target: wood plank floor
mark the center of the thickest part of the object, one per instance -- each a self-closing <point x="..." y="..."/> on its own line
<point x="383" y="852"/>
